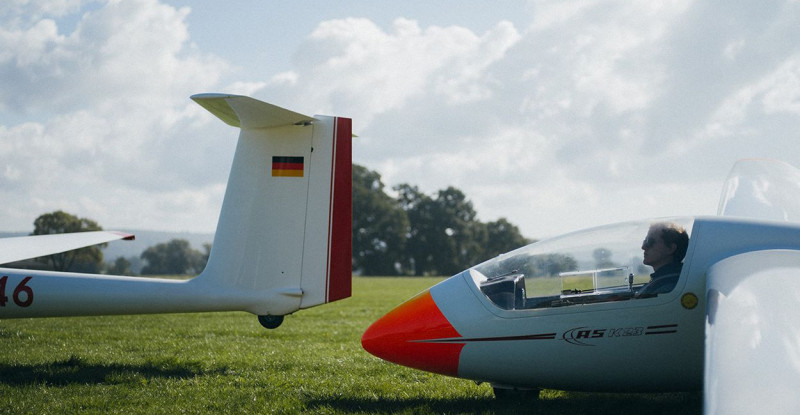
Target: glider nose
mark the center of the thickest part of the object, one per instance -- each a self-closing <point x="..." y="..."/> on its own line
<point x="416" y="334"/>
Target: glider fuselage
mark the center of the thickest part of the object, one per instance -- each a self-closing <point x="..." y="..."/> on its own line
<point x="492" y="322"/>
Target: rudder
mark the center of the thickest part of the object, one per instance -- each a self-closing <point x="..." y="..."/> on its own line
<point x="329" y="227"/>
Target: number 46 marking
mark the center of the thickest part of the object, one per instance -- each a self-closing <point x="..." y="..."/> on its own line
<point x="21" y="288"/>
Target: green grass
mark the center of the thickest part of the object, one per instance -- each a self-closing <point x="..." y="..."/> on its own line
<point x="228" y="363"/>
<point x="545" y="286"/>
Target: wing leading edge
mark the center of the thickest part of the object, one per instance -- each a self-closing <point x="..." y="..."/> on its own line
<point x="752" y="353"/>
<point x="25" y="247"/>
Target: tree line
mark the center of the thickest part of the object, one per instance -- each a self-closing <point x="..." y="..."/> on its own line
<point x="175" y="257"/>
<point x="414" y="233"/>
<point x="410" y="233"/>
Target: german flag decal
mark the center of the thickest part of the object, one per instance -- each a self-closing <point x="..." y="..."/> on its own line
<point x="283" y="166"/>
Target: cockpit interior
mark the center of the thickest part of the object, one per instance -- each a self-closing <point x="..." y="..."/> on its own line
<point x="592" y="266"/>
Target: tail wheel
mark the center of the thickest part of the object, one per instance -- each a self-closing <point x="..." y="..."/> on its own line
<point x="270" y="322"/>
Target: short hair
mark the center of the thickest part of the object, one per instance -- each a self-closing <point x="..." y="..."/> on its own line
<point x="672" y="233"/>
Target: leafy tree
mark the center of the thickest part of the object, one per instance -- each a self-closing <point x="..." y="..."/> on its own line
<point x="553" y="264"/>
<point x="379" y="226"/>
<point x="89" y="259"/>
<point x="175" y="257"/>
<point x="121" y="266"/>
<point x="444" y="235"/>
<point x="421" y="236"/>
<point x="602" y="258"/>
<point x="466" y="236"/>
<point x="206" y="254"/>
<point x="502" y="236"/>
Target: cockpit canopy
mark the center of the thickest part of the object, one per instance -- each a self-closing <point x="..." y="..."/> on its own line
<point x="595" y="265"/>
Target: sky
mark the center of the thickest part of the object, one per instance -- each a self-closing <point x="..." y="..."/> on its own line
<point x="555" y="115"/>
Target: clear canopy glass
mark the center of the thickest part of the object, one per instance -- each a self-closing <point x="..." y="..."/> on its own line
<point x="595" y="265"/>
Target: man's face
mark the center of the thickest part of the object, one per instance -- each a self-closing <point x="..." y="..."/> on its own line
<point x="656" y="252"/>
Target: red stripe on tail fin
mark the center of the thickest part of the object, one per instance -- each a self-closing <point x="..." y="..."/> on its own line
<point x="340" y="246"/>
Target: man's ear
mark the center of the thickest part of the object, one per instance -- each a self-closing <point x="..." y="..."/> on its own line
<point x="672" y="248"/>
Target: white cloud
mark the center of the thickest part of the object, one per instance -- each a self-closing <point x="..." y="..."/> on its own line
<point x="25" y="11"/>
<point x="603" y="99"/>
<point x="125" y="53"/>
<point x="782" y="90"/>
<point x="776" y="92"/>
<point x="354" y="66"/>
<point x="109" y="104"/>
<point x="581" y="113"/>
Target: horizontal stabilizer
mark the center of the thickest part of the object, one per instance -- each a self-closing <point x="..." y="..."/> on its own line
<point x="245" y="112"/>
<point x="25" y="247"/>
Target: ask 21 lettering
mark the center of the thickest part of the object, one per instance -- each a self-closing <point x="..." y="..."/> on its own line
<point x="22" y="295"/>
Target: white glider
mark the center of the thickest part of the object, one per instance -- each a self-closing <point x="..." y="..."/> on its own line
<point x="580" y="312"/>
<point x="283" y="240"/>
<point x="24" y="247"/>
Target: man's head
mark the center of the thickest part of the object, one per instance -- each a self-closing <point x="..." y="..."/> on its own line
<point x="665" y="243"/>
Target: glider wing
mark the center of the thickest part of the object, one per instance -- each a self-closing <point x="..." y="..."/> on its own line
<point x="752" y="353"/>
<point x="25" y="247"/>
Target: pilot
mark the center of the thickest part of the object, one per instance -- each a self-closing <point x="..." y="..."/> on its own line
<point x="664" y="249"/>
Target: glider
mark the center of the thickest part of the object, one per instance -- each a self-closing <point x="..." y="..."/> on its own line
<point x="283" y="240"/>
<point x="581" y="312"/>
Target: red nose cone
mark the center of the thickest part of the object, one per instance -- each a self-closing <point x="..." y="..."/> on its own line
<point x="416" y="334"/>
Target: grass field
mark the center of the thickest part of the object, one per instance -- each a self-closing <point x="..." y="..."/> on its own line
<point x="228" y="363"/>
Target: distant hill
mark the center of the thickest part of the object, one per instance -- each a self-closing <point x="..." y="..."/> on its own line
<point x="144" y="240"/>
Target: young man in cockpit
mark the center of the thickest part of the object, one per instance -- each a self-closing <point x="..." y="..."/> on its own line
<point x="664" y="249"/>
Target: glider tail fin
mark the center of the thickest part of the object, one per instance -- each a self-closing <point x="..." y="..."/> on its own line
<point x="284" y="233"/>
<point x="283" y="240"/>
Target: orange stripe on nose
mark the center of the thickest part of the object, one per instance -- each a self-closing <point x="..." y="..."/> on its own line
<point x="399" y="337"/>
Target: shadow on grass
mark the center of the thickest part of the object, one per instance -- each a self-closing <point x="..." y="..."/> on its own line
<point x="567" y="403"/>
<point x="76" y="371"/>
